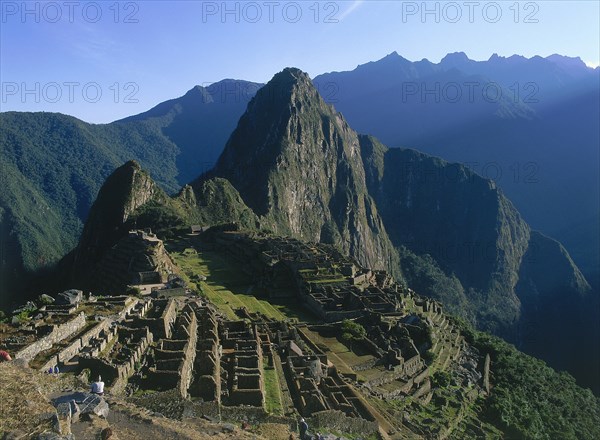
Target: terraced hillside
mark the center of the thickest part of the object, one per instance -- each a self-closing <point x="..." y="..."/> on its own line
<point x="268" y="329"/>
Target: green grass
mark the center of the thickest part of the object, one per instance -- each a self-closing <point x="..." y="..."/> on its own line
<point x="328" y="280"/>
<point x="272" y="391"/>
<point x="350" y="357"/>
<point x="227" y="285"/>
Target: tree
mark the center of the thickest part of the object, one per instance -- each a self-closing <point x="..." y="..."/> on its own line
<point x="352" y="332"/>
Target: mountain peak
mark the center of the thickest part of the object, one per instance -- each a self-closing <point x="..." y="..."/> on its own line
<point x="574" y="65"/>
<point x="282" y="90"/>
<point x="131" y="164"/>
<point x="296" y="163"/>
<point x="455" y="58"/>
<point x="197" y="92"/>
<point x="288" y="78"/>
<point x="126" y="189"/>
<point x="292" y="72"/>
<point x="393" y="57"/>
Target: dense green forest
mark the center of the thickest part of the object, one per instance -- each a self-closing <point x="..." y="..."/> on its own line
<point x="530" y="400"/>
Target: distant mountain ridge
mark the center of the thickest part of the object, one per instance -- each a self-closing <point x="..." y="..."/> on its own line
<point x="530" y="124"/>
<point x="53" y="166"/>
<point x="179" y="138"/>
<point x="199" y="122"/>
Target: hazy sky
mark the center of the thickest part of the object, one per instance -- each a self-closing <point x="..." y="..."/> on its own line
<point x="101" y="61"/>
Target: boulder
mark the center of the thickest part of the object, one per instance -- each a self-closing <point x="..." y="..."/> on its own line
<point x="94" y="404"/>
<point x="45" y="300"/>
<point x="84" y="404"/>
<point x="228" y="427"/>
<point x="14" y="435"/>
<point x="75" y="412"/>
<point x="69" y="297"/>
<point x="64" y="411"/>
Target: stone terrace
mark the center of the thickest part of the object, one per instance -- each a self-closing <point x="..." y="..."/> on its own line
<point x="174" y="358"/>
<point x="241" y="363"/>
<point x="329" y="284"/>
<point x="255" y="364"/>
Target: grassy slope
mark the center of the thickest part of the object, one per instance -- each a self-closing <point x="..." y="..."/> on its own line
<point x="227" y="286"/>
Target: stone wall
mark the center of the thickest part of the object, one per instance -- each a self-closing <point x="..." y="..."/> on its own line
<point x="160" y="325"/>
<point x="136" y="351"/>
<point x="58" y="333"/>
<point x="168" y="318"/>
<point x="422" y="375"/>
<point x="148" y="277"/>
<point x="423" y="389"/>
<point x="188" y="325"/>
<point x="98" y="343"/>
<point x="486" y="374"/>
<point x="207" y="364"/>
<point x="175" y="357"/>
<point x="127" y="308"/>
<point x="243" y="364"/>
<point x="116" y="370"/>
<point x="168" y="293"/>
<point x="76" y="346"/>
<point x="337" y="421"/>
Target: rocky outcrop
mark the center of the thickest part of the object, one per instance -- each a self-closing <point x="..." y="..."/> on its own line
<point x="127" y="188"/>
<point x="216" y="201"/>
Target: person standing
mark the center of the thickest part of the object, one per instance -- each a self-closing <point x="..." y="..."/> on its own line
<point x="303" y="429"/>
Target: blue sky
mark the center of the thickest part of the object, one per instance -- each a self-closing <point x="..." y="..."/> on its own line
<point x="101" y="61"/>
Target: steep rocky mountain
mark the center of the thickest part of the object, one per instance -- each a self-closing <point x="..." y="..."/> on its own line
<point x="126" y="189"/>
<point x="296" y="163"/>
<point x="531" y="125"/>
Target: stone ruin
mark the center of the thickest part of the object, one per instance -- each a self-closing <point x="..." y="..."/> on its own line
<point x="241" y="364"/>
<point x="206" y="384"/>
<point x="174" y="356"/>
<point x="183" y="343"/>
<point x="332" y="286"/>
<point x="139" y="258"/>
